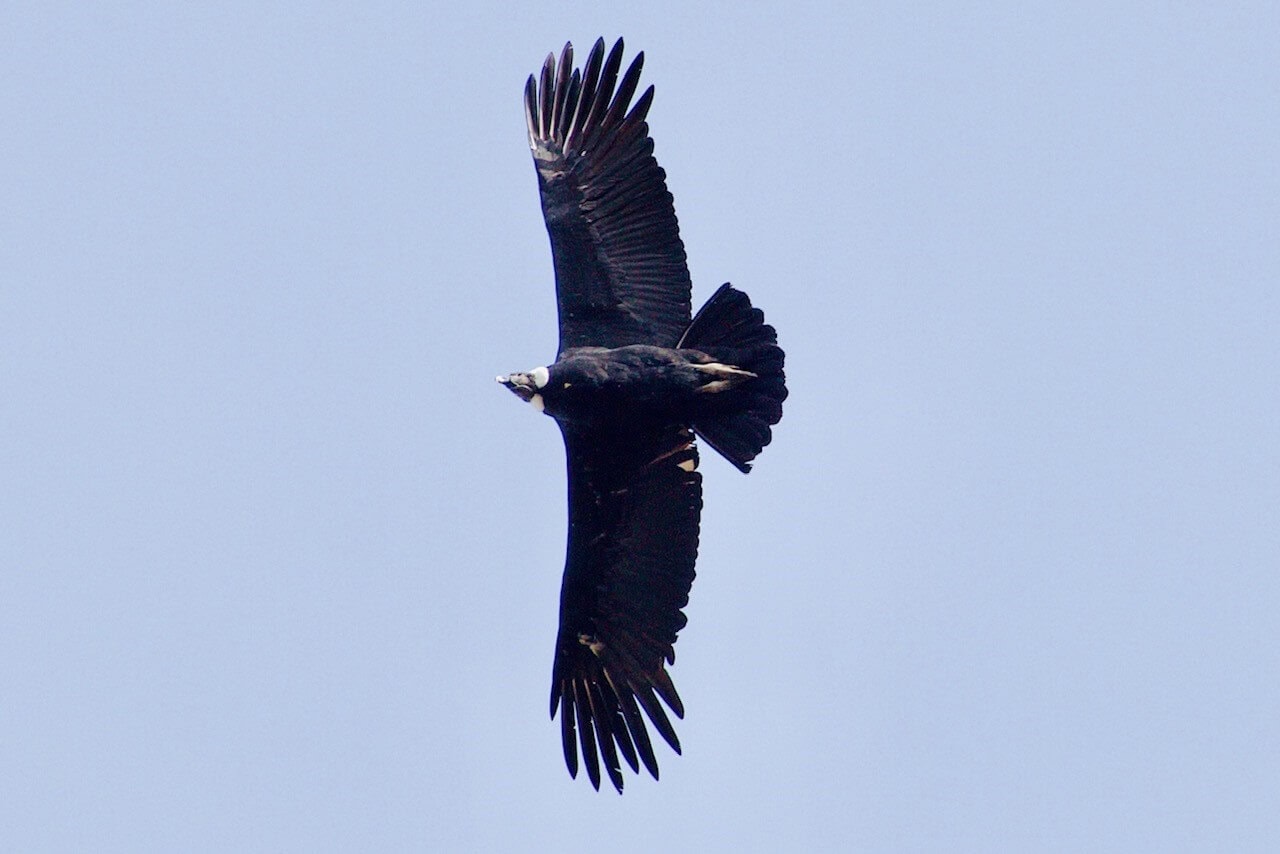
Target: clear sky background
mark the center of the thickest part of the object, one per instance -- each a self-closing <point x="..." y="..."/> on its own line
<point x="279" y="561"/>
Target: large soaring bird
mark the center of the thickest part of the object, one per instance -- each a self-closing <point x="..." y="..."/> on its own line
<point x="635" y="380"/>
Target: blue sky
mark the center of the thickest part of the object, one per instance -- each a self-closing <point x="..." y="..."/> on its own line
<point x="279" y="562"/>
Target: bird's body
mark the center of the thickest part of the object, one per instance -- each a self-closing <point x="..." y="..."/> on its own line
<point x="635" y="379"/>
<point x="594" y="387"/>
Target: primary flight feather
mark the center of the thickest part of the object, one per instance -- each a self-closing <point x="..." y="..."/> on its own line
<point x="635" y="380"/>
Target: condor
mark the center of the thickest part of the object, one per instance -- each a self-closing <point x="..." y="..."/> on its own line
<point x="634" y="382"/>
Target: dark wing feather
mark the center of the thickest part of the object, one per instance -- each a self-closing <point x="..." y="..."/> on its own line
<point x="634" y="503"/>
<point x="620" y="266"/>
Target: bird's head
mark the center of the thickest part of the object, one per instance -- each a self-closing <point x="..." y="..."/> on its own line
<point x="527" y="385"/>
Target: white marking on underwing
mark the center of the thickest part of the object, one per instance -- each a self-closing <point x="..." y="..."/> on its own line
<point x="682" y="447"/>
<point x="688" y="465"/>
<point x="591" y="643"/>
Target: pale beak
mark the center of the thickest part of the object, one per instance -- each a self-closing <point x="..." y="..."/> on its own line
<point x="521" y="385"/>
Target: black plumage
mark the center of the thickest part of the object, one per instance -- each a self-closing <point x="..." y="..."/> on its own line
<point x="634" y="381"/>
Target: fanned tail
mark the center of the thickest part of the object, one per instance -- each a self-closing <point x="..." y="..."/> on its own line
<point x="731" y="330"/>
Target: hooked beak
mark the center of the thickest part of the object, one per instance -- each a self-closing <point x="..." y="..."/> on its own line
<point x="521" y="385"/>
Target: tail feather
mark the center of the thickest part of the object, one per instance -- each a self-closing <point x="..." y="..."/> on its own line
<point x="731" y="330"/>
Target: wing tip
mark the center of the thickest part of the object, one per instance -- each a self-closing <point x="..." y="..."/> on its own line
<point x="600" y="717"/>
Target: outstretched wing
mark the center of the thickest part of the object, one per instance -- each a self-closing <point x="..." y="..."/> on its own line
<point x="620" y="266"/>
<point x="635" y="499"/>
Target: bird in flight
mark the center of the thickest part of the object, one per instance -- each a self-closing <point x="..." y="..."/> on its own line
<point x="635" y="380"/>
